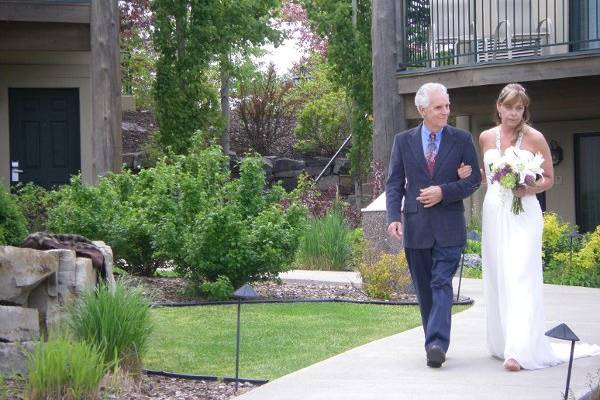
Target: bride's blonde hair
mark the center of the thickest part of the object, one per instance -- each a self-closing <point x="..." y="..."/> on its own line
<point x="511" y="94"/>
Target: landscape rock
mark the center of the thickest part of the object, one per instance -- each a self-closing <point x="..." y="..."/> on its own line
<point x="21" y="270"/>
<point x="19" y="324"/>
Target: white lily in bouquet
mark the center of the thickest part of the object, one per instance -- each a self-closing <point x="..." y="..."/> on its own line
<point x="517" y="168"/>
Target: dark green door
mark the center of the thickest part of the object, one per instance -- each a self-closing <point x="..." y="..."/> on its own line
<point x="44" y="135"/>
<point x="587" y="181"/>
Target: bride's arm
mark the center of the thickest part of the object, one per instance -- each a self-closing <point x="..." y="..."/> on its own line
<point x="547" y="180"/>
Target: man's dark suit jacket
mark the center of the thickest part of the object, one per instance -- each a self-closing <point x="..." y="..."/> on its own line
<point x="443" y="223"/>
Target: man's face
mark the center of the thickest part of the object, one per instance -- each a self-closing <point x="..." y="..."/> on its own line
<point x="435" y="116"/>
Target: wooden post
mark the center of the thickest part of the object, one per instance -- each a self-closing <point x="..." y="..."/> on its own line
<point x="106" y="88"/>
<point x="388" y="44"/>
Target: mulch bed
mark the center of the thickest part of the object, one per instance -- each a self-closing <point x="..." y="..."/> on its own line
<point x="157" y="387"/>
<point x="172" y="291"/>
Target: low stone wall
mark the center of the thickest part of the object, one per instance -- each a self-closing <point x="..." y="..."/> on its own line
<point x="288" y="170"/>
<point x="35" y="286"/>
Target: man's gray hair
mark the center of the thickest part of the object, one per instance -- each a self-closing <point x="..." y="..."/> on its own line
<point x="424" y="93"/>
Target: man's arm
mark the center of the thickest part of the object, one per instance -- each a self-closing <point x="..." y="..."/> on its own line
<point x="463" y="188"/>
<point x="395" y="184"/>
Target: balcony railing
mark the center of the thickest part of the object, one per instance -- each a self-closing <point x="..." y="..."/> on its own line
<point x="450" y="32"/>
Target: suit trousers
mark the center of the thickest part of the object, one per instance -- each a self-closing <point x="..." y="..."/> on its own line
<point x="432" y="270"/>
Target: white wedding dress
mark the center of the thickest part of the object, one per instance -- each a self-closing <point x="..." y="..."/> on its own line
<point x="513" y="280"/>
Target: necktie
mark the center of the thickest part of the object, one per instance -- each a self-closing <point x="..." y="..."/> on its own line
<point x="431" y="153"/>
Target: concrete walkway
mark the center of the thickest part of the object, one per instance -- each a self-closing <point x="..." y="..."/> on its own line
<point x="394" y="367"/>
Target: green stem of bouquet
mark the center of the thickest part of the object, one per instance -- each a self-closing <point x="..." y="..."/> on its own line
<point x="517" y="205"/>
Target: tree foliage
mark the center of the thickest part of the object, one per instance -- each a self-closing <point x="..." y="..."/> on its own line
<point x="138" y="58"/>
<point x="349" y="54"/>
<point x="265" y="113"/>
<point x="325" y="118"/>
<point x="189" y="35"/>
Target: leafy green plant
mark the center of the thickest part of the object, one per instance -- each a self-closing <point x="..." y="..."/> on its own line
<point x="13" y="226"/>
<point x="580" y="267"/>
<point x="221" y="289"/>
<point x="64" y="369"/>
<point x="33" y="201"/>
<point x="3" y="389"/>
<point x="326" y="244"/>
<point x="245" y="234"/>
<point x="384" y="275"/>
<point x="117" y="323"/>
<point x="555" y="238"/>
<point x="473" y="247"/>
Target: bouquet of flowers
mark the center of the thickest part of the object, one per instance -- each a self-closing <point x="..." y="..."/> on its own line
<point x="514" y="169"/>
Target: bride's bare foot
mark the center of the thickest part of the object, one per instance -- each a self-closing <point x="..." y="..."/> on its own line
<point x="512" y="365"/>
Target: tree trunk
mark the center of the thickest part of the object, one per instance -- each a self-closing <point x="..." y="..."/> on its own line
<point x="388" y="106"/>
<point x="225" y="111"/>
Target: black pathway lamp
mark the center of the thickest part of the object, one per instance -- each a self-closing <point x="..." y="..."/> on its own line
<point x="246" y="292"/>
<point x="471" y="235"/>
<point x="563" y="332"/>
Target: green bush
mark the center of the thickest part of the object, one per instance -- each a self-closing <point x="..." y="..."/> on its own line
<point x="243" y="232"/>
<point x="3" y="389"/>
<point x="555" y="237"/>
<point x="326" y="244"/>
<point x="221" y="289"/>
<point x="580" y="267"/>
<point x="118" y="324"/>
<point x="323" y="124"/>
<point x="473" y="247"/>
<point x="114" y="212"/>
<point x="33" y="201"/>
<point x="63" y="369"/>
<point x="13" y="226"/>
<point x="384" y="275"/>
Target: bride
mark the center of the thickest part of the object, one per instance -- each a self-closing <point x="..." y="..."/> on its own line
<point x="512" y="245"/>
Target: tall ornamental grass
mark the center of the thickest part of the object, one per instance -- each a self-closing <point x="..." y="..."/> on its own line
<point x="326" y="244"/>
<point x="118" y="324"/>
<point x="64" y="370"/>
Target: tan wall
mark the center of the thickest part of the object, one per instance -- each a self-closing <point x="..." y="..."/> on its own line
<point x="46" y="70"/>
<point x="561" y="198"/>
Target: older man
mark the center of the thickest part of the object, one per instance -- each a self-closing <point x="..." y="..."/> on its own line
<point x="423" y="173"/>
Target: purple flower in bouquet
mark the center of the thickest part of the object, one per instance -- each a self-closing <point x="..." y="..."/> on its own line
<point x="516" y="169"/>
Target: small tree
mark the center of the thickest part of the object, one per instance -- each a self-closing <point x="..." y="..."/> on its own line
<point x="265" y="114"/>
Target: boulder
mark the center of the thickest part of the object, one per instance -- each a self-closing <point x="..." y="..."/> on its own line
<point x="286" y="164"/>
<point x="13" y="357"/>
<point x="108" y="263"/>
<point x="19" y="324"/>
<point x="21" y="270"/>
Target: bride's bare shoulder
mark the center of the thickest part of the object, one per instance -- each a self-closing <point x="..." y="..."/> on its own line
<point x="487" y="136"/>
<point x="535" y="137"/>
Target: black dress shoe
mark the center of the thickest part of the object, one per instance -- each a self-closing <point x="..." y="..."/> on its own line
<point x="435" y="356"/>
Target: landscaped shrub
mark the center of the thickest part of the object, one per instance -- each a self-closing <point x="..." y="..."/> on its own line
<point x="13" y="226"/>
<point x="117" y="323"/>
<point x="221" y="289"/>
<point x="320" y="202"/>
<point x="64" y="369"/>
<point x="326" y="244"/>
<point x="580" y="267"/>
<point x="473" y="247"/>
<point x="555" y="238"/>
<point x="384" y="275"/>
<point x="3" y="389"/>
<point x="114" y="212"/>
<point x="33" y="201"/>
<point x="243" y="232"/>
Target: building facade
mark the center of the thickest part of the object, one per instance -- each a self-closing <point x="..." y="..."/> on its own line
<point x="475" y="47"/>
<point x="60" y="110"/>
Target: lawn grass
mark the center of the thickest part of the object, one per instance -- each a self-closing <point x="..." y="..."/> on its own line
<point x="276" y="339"/>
